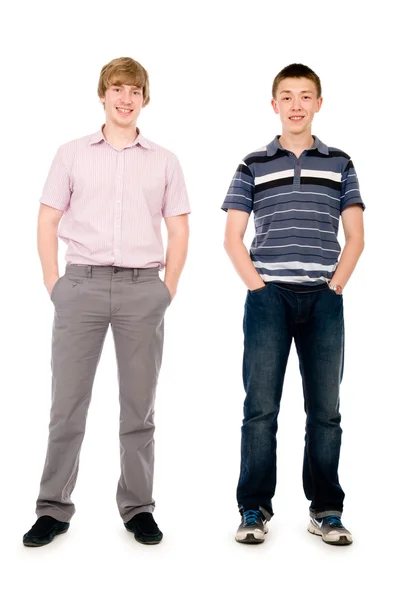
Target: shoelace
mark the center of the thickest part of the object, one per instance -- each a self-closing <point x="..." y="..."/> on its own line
<point x="333" y="521"/>
<point x="251" y="516"/>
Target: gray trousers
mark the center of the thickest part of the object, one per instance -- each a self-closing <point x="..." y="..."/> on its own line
<point x="87" y="299"/>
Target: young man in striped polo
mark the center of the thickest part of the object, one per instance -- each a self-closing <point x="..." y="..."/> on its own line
<point x="111" y="191"/>
<point x="298" y="189"/>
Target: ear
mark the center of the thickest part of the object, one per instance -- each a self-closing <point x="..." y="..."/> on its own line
<point x="275" y="106"/>
<point x="319" y="104"/>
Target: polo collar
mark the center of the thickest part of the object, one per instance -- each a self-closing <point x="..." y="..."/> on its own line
<point x="275" y="145"/>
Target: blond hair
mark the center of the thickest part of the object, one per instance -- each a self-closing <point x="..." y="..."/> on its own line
<point x="124" y="71"/>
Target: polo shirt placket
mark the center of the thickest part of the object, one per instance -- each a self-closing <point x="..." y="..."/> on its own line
<point x="297" y="169"/>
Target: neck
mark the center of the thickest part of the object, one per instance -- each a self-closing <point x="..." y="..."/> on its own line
<point x="296" y="143"/>
<point x="119" y="137"/>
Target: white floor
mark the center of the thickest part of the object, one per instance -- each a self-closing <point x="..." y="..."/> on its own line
<point x="199" y="558"/>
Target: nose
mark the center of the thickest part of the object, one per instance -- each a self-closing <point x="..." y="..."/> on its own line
<point x="126" y="97"/>
<point x="296" y="104"/>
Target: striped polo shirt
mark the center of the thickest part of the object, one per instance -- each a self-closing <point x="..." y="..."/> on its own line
<point x="297" y="203"/>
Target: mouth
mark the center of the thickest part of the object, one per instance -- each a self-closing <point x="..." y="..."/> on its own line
<point x="124" y="111"/>
<point x="296" y="119"/>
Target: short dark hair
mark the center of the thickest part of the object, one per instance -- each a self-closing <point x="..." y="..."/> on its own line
<point x="297" y="70"/>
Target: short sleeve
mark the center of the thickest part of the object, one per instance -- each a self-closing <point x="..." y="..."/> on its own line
<point x="350" y="193"/>
<point x="57" y="189"/>
<point x="240" y="192"/>
<point x="175" y="201"/>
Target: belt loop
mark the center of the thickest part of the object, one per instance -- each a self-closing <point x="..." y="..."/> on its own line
<point x="135" y="273"/>
<point x="89" y="271"/>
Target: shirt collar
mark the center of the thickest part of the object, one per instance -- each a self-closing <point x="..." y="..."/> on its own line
<point x="275" y="145"/>
<point x="98" y="137"/>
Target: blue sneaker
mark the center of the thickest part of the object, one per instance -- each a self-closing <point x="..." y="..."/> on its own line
<point x="253" y="527"/>
<point x="331" y="530"/>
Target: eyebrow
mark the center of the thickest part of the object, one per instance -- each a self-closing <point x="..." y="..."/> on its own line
<point x="290" y="92"/>
<point x="134" y="87"/>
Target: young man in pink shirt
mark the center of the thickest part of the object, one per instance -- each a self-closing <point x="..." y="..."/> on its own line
<point x="109" y="191"/>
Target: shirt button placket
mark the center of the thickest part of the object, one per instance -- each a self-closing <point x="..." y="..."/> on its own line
<point x="119" y="186"/>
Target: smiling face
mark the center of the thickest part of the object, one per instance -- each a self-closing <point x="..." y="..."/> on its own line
<point x="122" y="104"/>
<point x="296" y="102"/>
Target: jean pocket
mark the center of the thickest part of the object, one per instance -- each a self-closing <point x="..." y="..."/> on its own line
<point x="258" y="290"/>
<point x="334" y="293"/>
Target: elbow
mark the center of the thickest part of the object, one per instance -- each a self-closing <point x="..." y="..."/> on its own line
<point x="357" y="242"/>
<point x="232" y="242"/>
<point x="227" y="244"/>
<point x="361" y="244"/>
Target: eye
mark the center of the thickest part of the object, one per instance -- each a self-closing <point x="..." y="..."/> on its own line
<point x="307" y="97"/>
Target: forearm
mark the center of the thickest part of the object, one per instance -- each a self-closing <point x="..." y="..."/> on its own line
<point x="242" y="262"/>
<point x="176" y="254"/>
<point x="47" y="244"/>
<point x="348" y="261"/>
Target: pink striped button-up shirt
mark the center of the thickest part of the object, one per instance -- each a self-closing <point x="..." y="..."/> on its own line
<point x="114" y="200"/>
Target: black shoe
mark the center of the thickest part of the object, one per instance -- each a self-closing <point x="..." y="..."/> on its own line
<point x="44" y="531"/>
<point x="144" y="528"/>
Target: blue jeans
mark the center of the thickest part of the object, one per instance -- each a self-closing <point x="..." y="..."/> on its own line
<point x="274" y="316"/>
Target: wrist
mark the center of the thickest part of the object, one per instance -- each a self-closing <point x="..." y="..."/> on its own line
<point x="256" y="284"/>
<point x="172" y="285"/>
<point x="336" y="287"/>
<point x="50" y="277"/>
<point x="170" y="282"/>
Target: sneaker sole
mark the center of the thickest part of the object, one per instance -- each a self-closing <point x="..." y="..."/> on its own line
<point x="342" y="540"/>
<point x="251" y="537"/>
<point x="37" y="545"/>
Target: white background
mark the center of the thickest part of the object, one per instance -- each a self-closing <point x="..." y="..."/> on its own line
<point x="211" y="65"/>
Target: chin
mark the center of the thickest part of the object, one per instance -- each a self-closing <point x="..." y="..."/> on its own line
<point x="300" y="129"/>
<point x="124" y="123"/>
